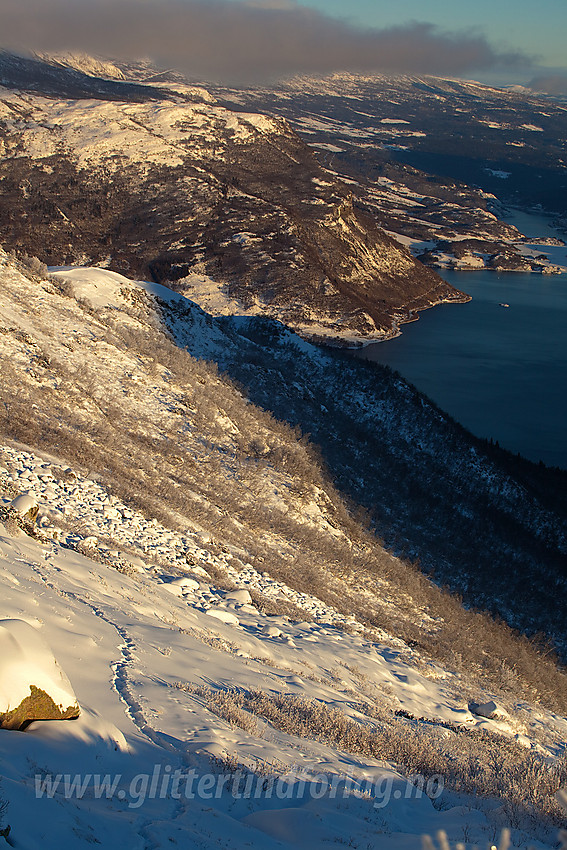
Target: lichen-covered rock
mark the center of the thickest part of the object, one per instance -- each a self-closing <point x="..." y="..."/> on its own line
<point x="32" y="685"/>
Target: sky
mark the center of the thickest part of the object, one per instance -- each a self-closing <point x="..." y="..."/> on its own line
<point x="536" y="28"/>
<point x="508" y="41"/>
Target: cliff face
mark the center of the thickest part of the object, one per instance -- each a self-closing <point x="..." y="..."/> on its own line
<point x="177" y="186"/>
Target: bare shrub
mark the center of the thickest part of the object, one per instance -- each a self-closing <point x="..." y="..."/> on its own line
<point x="280" y="607"/>
<point x="473" y="762"/>
<point x="427" y="842"/>
<point x="34" y="266"/>
<point x="228" y="707"/>
<point x="4" y="830"/>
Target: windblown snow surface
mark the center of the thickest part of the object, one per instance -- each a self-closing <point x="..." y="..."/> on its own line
<point x="148" y="764"/>
<point x="149" y="640"/>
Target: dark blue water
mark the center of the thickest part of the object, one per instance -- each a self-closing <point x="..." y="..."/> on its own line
<point x="532" y="224"/>
<point x="501" y="372"/>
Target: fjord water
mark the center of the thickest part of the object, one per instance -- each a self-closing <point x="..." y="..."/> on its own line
<point x="500" y="372"/>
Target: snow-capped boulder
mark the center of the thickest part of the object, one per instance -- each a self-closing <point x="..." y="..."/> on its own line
<point x="26" y="506"/>
<point x="241" y="597"/>
<point x="488" y="709"/>
<point x="18" y="516"/>
<point x="200" y="573"/>
<point x="32" y="685"/>
<point x="174" y="589"/>
<point x="180" y="586"/>
<point x="224" y="616"/>
<point x="187" y="584"/>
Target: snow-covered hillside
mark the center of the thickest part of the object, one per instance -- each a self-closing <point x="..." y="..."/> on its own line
<point x="238" y="643"/>
<point x="88" y="352"/>
<point x="176" y="676"/>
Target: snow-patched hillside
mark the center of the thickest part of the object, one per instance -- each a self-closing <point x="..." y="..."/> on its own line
<point x="112" y="135"/>
<point x="238" y="645"/>
<point x="162" y="181"/>
<point x="149" y="643"/>
<point x="475" y="146"/>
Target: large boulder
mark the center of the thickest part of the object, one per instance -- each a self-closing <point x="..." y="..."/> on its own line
<point x="32" y="685"/>
<point x="26" y="506"/>
<point x="489" y="709"/>
<point x="241" y="597"/>
<point x="19" y="515"/>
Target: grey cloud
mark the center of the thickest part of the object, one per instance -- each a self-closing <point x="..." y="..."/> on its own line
<point x="254" y="40"/>
<point x="554" y="84"/>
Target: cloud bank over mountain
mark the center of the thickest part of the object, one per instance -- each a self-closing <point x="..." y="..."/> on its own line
<point x="242" y="41"/>
<point x="550" y="83"/>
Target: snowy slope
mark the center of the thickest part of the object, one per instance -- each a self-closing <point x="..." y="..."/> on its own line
<point x="193" y="642"/>
<point x="134" y="645"/>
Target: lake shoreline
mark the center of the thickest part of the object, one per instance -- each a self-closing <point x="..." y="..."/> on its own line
<point x="501" y="373"/>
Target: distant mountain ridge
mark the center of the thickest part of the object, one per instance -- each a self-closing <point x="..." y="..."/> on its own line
<point x="446" y="127"/>
<point x="55" y="79"/>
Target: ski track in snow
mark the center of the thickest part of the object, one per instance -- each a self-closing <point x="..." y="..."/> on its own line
<point x="119" y="667"/>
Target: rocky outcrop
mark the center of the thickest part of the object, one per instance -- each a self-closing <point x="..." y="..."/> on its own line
<point x="37" y="706"/>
